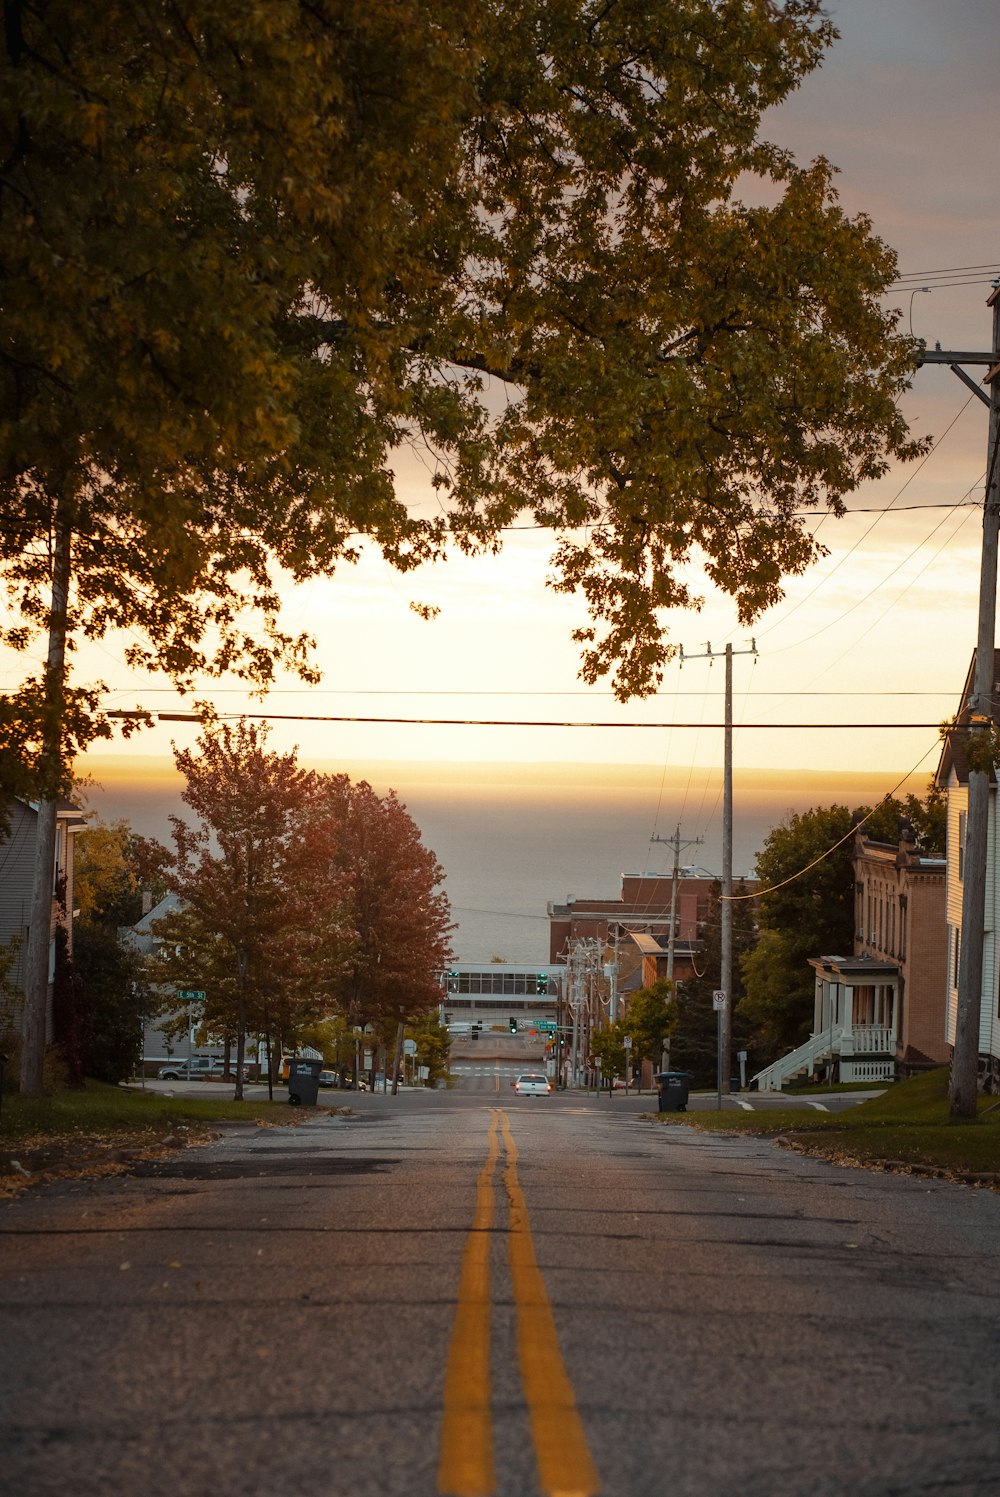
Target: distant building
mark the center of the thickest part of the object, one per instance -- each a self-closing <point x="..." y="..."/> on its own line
<point x="159" y="1046"/>
<point x="643" y="909"/>
<point x="499" y="995"/>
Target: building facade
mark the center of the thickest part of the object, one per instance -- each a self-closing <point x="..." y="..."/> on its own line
<point x="644" y="908"/>
<point x="17" y="877"/>
<point x="953" y="778"/>
<point x="879" y="1011"/>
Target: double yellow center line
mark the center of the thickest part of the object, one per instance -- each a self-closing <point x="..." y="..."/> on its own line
<point x="466" y="1468"/>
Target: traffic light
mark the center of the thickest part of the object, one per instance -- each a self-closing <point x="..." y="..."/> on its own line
<point x="512" y="1021"/>
<point x="542" y="982"/>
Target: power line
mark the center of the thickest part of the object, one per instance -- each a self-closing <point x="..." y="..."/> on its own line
<point x="493" y="722"/>
<point x="350" y="691"/>
<point x="943" y="270"/>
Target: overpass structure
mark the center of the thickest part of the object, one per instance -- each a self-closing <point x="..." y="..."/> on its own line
<point x="501" y="997"/>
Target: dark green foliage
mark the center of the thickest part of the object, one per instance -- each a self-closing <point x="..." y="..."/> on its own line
<point x="650" y="1020"/>
<point x="112" y="997"/>
<point x="806" y="909"/>
<point x="928" y="819"/>
<point x="433" y="1044"/>
<point x="100" y="994"/>
<point x="694" y="1045"/>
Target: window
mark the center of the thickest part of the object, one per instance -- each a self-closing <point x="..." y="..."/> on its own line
<point x="963" y="826"/>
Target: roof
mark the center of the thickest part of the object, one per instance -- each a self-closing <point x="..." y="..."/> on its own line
<point x="854" y="968"/>
<point x="648" y="945"/>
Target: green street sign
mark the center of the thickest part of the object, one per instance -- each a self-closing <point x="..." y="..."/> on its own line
<point x="191" y="995"/>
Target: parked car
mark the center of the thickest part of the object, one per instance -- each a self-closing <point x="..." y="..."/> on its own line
<point x="532" y="1084"/>
<point x="329" y="1078"/>
<point x="198" y="1068"/>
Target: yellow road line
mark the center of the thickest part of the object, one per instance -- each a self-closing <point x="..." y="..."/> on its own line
<point x="466" y="1467"/>
<point x="565" y="1467"/>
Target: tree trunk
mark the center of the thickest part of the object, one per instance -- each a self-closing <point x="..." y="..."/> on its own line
<point x="397" y="1054"/>
<point x="241" y="1021"/>
<point x="37" y="950"/>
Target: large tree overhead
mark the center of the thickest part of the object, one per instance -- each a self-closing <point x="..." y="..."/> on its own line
<point x="250" y="248"/>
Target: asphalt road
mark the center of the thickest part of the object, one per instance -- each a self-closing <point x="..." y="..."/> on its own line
<point x="469" y="1293"/>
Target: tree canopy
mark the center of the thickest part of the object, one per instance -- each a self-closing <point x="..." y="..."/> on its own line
<point x="249" y="250"/>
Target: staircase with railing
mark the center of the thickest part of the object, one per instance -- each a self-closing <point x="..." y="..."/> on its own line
<point x="866" y="1053"/>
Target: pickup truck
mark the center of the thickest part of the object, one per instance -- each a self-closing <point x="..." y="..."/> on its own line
<point x="198" y="1068"/>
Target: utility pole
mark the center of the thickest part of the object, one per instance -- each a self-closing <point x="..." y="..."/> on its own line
<point x="676" y="843"/>
<point x="726" y="906"/>
<point x="611" y="973"/>
<point x="981" y="713"/>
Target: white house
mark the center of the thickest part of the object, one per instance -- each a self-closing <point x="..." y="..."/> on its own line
<point x="17" y="875"/>
<point x="953" y="777"/>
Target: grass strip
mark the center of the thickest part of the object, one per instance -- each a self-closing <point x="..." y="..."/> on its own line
<point x="908" y="1127"/>
<point x="102" y="1129"/>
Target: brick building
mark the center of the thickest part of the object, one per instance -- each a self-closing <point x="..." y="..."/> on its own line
<point x="879" y="1012"/>
<point x="900" y="918"/>
<point x="642" y="909"/>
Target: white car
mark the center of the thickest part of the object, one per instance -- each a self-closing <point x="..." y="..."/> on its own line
<point x="532" y="1084"/>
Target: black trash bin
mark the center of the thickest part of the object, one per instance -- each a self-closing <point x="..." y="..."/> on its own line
<point x="673" y="1087"/>
<point x="303" y="1081"/>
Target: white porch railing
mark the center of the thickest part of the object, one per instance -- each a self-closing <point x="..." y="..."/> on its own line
<point x="870" y="1039"/>
<point x="865" y="1040"/>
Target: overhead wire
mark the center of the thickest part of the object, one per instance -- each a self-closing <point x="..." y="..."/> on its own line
<point x="769" y="629"/>
<point x="859" y="602"/>
<point x="494" y="722"/>
<point x="783" y="883"/>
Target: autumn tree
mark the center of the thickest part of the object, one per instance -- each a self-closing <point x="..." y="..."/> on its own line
<point x="400" y="917"/>
<point x="260" y="919"/>
<point x="249" y="250"/>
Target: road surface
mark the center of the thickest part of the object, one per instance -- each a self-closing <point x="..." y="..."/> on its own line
<point x="474" y="1293"/>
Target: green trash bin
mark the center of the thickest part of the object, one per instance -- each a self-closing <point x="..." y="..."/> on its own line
<point x="673" y="1087"/>
<point x="303" y="1081"/>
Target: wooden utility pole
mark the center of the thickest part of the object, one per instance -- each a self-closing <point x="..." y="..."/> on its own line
<point x="726" y="906"/>
<point x="36" y="965"/>
<point x="982" y="712"/>
<point x="676" y="843"/>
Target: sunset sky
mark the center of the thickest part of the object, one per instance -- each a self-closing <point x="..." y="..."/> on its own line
<point x="879" y="632"/>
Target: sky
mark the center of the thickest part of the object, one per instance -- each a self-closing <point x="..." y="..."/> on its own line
<point x="879" y="632"/>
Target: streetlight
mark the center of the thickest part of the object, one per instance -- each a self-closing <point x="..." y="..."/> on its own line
<point x="916" y="290"/>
